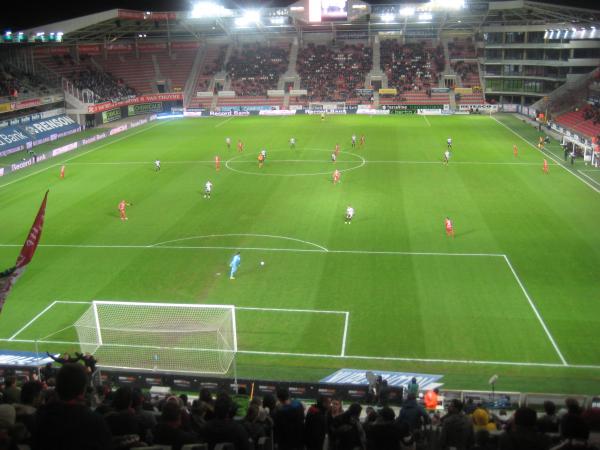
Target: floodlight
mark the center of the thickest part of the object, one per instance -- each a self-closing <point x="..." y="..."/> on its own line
<point x="447" y="4"/>
<point x="388" y="17"/>
<point x="425" y="17"/>
<point x="208" y="9"/>
<point x="248" y="17"/>
<point x="407" y="11"/>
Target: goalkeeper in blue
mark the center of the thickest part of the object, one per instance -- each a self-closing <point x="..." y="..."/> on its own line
<point x="234" y="264"/>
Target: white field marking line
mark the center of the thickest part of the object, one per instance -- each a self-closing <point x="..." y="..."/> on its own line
<point x="243" y="235"/>
<point x="361" y="162"/>
<point x="268" y="249"/>
<point x="223" y="122"/>
<point x="31" y="321"/>
<point x="536" y="312"/>
<point x="80" y="154"/>
<point x="343" y="355"/>
<point x="311" y="161"/>
<point x="319" y="355"/>
<point x="589" y="178"/>
<point x="589" y="170"/>
<point x="314" y="311"/>
<point x="426" y="120"/>
<point x="548" y="154"/>
<point x="56" y="332"/>
<point x="346" y="320"/>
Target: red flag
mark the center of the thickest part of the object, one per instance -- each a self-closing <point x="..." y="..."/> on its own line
<point x="9" y="277"/>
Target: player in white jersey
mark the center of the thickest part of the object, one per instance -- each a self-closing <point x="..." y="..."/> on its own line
<point x="446" y="157"/>
<point x="349" y="214"/>
<point x="207" y="189"/>
<point x="157" y="165"/>
<point x="353" y="141"/>
<point x="333" y="157"/>
<point x="449" y="141"/>
<point x="228" y="142"/>
<point x="263" y="152"/>
<point x="292" y="143"/>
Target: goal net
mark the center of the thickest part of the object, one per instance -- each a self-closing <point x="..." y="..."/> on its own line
<point x="159" y="336"/>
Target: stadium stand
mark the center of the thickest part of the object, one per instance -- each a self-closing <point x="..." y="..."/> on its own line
<point x="138" y="73"/>
<point x="253" y="69"/>
<point x="59" y="411"/>
<point x="334" y="73"/>
<point x="462" y="48"/>
<point x="85" y="75"/>
<point x="585" y="120"/>
<point x="412" y="66"/>
<point x="16" y="84"/>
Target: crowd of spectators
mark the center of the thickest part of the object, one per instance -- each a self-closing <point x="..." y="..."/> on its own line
<point x="61" y="411"/>
<point x="462" y="49"/>
<point x="333" y="74"/>
<point x="592" y="112"/>
<point x="411" y="66"/>
<point x="212" y="67"/>
<point x="15" y="83"/>
<point x="104" y="86"/>
<point x="254" y="69"/>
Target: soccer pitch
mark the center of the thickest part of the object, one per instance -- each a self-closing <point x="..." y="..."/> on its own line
<point x="515" y="293"/>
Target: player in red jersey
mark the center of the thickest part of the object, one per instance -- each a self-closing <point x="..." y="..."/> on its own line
<point x="62" y="172"/>
<point x="515" y="150"/>
<point x="337" y="149"/>
<point x="362" y="140"/>
<point x="545" y="166"/>
<point x="217" y="163"/>
<point x="336" y="176"/>
<point x="122" y="205"/>
<point x="240" y="146"/>
<point x="449" y="228"/>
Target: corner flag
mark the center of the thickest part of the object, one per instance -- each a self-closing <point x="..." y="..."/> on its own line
<point x="10" y="276"/>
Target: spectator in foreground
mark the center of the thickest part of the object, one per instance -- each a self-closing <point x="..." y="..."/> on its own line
<point x="548" y="423"/>
<point x="348" y="433"/>
<point x="288" y="421"/>
<point x="223" y="428"/>
<point x="169" y="430"/>
<point x="457" y="428"/>
<point x="412" y="414"/>
<point x="383" y="434"/>
<point x="68" y="424"/>
<point x="12" y="393"/>
<point x="523" y="434"/>
<point x="315" y="426"/>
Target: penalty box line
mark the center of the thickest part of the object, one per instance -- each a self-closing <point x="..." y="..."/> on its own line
<point x="346" y="315"/>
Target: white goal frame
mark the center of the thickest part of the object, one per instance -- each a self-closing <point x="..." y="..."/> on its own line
<point x="92" y="339"/>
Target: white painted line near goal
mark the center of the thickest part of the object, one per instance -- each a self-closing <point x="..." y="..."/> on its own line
<point x="31" y="321"/>
<point x="548" y="154"/>
<point x="346" y="320"/>
<point x="262" y="249"/>
<point x="315" y="311"/>
<point x="536" y="312"/>
<point x="588" y="177"/>
<point x="319" y="355"/>
<point x="80" y="154"/>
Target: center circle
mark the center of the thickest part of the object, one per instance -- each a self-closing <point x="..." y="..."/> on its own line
<point x="356" y="162"/>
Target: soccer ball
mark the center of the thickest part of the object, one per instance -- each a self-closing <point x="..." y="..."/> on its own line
<point x="262" y="263"/>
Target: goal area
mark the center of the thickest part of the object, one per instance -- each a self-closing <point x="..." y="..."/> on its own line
<point x="162" y="337"/>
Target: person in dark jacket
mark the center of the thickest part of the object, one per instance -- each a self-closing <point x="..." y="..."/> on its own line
<point x="315" y="425"/>
<point x="383" y="434"/>
<point x="223" y="428"/>
<point x="523" y="434"/>
<point x="412" y="414"/>
<point x="169" y="430"/>
<point x="288" y="422"/>
<point x="348" y="433"/>
<point x="65" y="358"/>
<point x="457" y="428"/>
<point x="68" y="424"/>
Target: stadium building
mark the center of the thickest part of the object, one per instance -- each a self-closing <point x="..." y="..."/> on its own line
<point x="177" y="256"/>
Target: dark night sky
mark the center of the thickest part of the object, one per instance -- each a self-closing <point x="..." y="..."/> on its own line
<point x="21" y="15"/>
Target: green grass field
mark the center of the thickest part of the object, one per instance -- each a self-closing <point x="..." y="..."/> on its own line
<point x="515" y="293"/>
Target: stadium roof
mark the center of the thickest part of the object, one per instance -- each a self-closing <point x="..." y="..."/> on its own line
<point x="410" y="19"/>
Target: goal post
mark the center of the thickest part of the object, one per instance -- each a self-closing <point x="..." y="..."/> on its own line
<point x="186" y="338"/>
